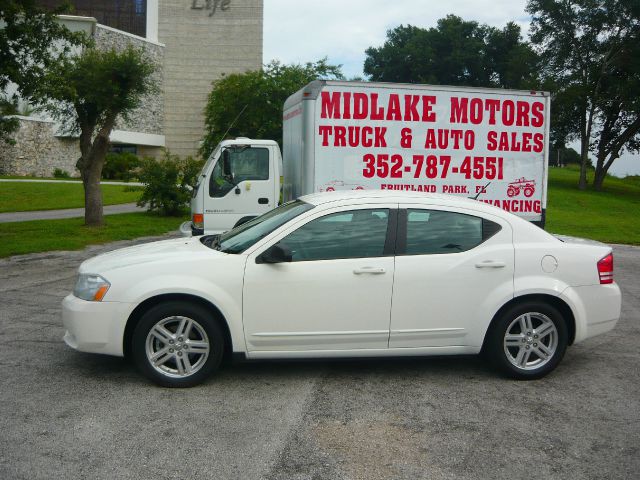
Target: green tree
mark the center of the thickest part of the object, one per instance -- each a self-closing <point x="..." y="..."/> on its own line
<point x="455" y="52"/>
<point x="26" y="34"/>
<point x="591" y="59"/>
<point x="92" y="90"/>
<point x="250" y="104"/>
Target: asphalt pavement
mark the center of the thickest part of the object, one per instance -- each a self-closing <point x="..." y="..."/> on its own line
<point x="65" y="414"/>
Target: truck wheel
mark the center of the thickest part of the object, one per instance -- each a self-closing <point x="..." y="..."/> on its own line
<point x="177" y="344"/>
<point x="528" y="341"/>
<point x="528" y="191"/>
<point x="511" y="192"/>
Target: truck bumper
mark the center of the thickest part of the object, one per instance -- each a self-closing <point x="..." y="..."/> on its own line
<point x="187" y="230"/>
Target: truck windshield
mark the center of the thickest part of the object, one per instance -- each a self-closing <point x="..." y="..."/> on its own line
<point x="242" y="237"/>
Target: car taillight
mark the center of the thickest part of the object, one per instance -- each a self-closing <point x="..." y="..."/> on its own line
<point x="605" y="269"/>
<point x="198" y="220"/>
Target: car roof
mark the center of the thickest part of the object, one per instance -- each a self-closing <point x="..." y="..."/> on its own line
<point x="390" y="196"/>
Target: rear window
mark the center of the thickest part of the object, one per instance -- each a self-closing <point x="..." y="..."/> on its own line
<point x="436" y="231"/>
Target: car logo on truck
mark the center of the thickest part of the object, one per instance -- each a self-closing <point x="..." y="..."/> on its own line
<point x="528" y="187"/>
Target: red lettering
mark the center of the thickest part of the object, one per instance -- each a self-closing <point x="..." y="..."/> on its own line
<point x="459" y="110"/>
<point x="515" y="144"/>
<point x="492" y="144"/>
<point x="377" y="113"/>
<point x="428" y="115"/>
<point x="346" y="105"/>
<point x="411" y="108"/>
<point x="354" y="136"/>
<point x="380" y="132"/>
<point x="523" y="114"/>
<point x="475" y="113"/>
<point x="537" y="110"/>
<point x="504" y="142"/>
<point x="538" y="142"/>
<point x="325" y="131"/>
<point x="526" y="139"/>
<point x="469" y="139"/>
<point x="493" y="106"/>
<point x="360" y="106"/>
<point x="340" y="136"/>
<point x="456" y="135"/>
<point x="330" y="105"/>
<point x="443" y="138"/>
<point x="393" y="112"/>
<point x="508" y="112"/>
<point x="430" y="142"/>
<point x="367" y="141"/>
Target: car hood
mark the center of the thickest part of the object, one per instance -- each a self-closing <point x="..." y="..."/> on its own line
<point x="178" y="249"/>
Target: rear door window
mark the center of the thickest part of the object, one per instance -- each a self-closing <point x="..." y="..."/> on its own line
<point x="436" y="231"/>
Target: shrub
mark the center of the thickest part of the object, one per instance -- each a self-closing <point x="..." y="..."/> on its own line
<point x="120" y="166"/>
<point x="168" y="183"/>
<point x="59" y="173"/>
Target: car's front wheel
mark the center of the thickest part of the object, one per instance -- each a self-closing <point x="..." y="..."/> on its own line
<point x="177" y="344"/>
<point x="528" y="340"/>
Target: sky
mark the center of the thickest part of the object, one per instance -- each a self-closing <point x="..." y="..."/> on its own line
<point x="298" y="31"/>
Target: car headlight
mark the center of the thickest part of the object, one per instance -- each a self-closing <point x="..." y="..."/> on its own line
<point x="91" y="287"/>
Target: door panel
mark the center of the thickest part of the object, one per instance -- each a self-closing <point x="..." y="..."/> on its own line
<point x="319" y="301"/>
<point x="447" y="299"/>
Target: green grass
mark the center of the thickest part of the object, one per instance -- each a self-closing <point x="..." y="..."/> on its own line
<point x="611" y="216"/>
<point x="29" y="177"/>
<point x="70" y="234"/>
<point x="22" y="197"/>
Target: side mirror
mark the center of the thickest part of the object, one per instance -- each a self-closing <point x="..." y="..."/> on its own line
<point x="278" y="253"/>
<point x="226" y="163"/>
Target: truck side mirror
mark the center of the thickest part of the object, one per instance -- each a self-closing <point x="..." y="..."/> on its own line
<point x="278" y="253"/>
<point x="226" y="164"/>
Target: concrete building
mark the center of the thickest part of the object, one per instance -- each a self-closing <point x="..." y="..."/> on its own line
<point x="193" y="42"/>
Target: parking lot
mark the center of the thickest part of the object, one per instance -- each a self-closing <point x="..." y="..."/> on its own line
<point x="66" y="414"/>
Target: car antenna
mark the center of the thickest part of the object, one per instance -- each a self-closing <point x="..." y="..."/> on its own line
<point x="483" y="190"/>
<point x="234" y="122"/>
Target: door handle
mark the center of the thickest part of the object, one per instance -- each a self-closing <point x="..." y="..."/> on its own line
<point x="372" y="270"/>
<point x="491" y="264"/>
<point x="263" y="200"/>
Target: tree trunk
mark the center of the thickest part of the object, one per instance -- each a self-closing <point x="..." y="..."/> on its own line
<point x="90" y="165"/>
<point x="92" y="198"/>
<point x="598" y="178"/>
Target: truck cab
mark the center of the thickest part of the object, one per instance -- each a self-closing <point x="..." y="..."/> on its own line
<point x="239" y="181"/>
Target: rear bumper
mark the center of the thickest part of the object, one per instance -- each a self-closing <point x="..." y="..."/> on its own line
<point x="95" y="327"/>
<point x="596" y="308"/>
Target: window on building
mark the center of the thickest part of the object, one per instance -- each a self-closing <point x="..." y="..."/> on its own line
<point x="126" y="15"/>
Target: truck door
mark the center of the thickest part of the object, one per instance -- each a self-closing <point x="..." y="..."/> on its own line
<point x="248" y="194"/>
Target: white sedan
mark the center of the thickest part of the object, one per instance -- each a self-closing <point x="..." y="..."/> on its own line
<point x="348" y="274"/>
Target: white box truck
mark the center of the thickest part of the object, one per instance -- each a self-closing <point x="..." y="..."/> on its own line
<point x="489" y="144"/>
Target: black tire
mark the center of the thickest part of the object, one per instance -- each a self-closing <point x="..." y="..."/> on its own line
<point x="201" y="349"/>
<point x="529" y="354"/>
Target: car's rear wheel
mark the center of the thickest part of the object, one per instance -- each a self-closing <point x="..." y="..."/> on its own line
<point x="528" y="340"/>
<point x="177" y="344"/>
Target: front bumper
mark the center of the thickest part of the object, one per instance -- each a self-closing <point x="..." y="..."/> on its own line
<point x="95" y="327"/>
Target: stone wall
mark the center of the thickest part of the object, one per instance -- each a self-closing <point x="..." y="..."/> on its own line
<point x="38" y="151"/>
<point x="149" y="116"/>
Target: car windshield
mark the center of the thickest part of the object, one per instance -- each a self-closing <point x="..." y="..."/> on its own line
<point x="242" y="237"/>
